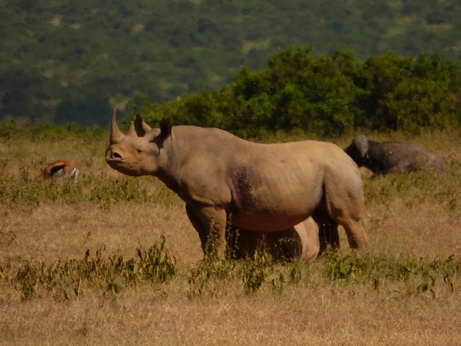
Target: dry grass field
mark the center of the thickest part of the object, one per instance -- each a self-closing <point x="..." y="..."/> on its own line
<point x="75" y="266"/>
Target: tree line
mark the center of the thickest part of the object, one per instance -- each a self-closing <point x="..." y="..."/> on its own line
<point x="327" y="95"/>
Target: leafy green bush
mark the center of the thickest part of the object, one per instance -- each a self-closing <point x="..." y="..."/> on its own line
<point x="328" y="95"/>
<point x="256" y="271"/>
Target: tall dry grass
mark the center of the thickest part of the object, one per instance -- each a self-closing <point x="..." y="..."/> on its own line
<point x="402" y="288"/>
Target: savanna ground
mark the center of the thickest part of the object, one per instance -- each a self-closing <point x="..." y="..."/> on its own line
<point x="86" y="264"/>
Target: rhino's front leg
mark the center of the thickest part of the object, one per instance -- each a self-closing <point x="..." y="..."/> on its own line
<point x="210" y="223"/>
<point x="197" y="224"/>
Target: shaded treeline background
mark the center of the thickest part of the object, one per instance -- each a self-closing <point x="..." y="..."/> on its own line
<point x="327" y="95"/>
<point x="231" y="65"/>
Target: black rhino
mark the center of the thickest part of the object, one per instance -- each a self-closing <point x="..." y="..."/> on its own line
<point x="258" y="187"/>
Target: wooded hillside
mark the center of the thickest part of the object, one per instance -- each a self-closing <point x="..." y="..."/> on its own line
<point x="73" y="61"/>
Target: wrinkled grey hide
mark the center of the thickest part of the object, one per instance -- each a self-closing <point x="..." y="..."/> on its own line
<point x="259" y="187"/>
<point x="392" y="157"/>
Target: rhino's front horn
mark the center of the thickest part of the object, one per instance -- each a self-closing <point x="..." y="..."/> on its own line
<point x="115" y="133"/>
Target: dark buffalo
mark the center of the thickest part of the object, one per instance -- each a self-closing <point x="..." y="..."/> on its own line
<point x="393" y="157"/>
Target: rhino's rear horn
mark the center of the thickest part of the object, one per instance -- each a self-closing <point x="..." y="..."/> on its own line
<point x="132" y="132"/>
<point x="115" y="133"/>
<point x="144" y="125"/>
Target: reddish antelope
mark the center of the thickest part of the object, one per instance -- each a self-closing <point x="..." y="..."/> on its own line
<point x="60" y="169"/>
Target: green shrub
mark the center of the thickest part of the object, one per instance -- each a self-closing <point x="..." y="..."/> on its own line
<point x="109" y="273"/>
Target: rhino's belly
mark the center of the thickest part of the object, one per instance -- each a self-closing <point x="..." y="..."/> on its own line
<point x="272" y="214"/>
<point x="273" y="200"/>
<point x="267" y="222"/>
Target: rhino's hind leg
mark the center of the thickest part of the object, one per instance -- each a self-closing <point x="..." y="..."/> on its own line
<point x="328" y="232"/>
<point x="344" y="203"/>
<point x="349" y="215"/>
<point x="328" y="236"/>
<point x="355" y="232"/>
<point x="328" y="228"/>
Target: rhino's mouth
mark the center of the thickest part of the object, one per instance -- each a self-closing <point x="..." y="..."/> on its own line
<point x="119" y="164"/>
<point x="122" y="167"/>
<point x="116" y="163"/>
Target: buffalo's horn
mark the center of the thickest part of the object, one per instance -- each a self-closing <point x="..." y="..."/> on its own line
<point x="115" y="133"/>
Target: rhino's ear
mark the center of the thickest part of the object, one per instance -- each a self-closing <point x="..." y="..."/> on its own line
<point x="140" y="126"/>
<point x="165" y="127"/>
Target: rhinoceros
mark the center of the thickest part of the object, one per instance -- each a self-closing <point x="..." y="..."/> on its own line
<point x="392" y="157"/>
<point x="259" y="187"/>
<point x="300" y="241"/>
